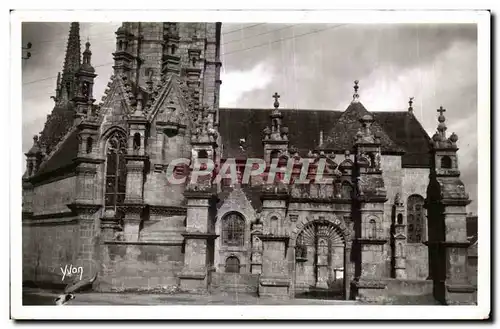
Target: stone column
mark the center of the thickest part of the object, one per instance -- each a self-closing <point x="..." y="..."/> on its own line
<point x="348" y="270"/>
<point x="133" y="205"/>
<point x="458" y="289"/>
<point x="274" y="280"/>
<point x="370" y="284"/>
<point x="197" y="240"/>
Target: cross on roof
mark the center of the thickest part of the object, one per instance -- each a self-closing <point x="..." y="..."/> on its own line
<point x="441" y="110"/>
<point x="276" y="103"/>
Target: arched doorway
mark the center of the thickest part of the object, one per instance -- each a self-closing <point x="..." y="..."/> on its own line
<point x="319" y="261"/>
<point x="232" y="265"/>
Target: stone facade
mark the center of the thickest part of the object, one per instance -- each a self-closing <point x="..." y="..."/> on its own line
<point x="99" y="196"/>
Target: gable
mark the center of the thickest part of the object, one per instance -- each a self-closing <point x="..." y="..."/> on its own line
<point x="342" y="136"/>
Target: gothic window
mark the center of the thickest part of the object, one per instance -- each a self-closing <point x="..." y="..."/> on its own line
<point x="415" y="218"/>
<point x="233" y="230"/>
<point x="120" y="45"/>
<point x="446" y="162"/>
<point x="400" y="218"/>
<point x="372" y="229"/>
<point x="116" y="171"/>
<point x="172" y="49"/>
<point x="88" y="148"/>
<point x="232" y="265"/>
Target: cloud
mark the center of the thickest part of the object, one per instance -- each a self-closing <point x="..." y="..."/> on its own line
<point x="235" y="84"/>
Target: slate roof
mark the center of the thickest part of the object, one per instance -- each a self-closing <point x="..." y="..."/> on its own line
<point x="57" y="126"/>
<point x="304" y="127"/>
<point x="63" y="156"/>
<point x="400" y="131"/>
<point x="342" y="135"/>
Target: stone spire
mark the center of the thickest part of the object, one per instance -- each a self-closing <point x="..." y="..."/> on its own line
<point x="72" y="58"/>
<point x="66" y="85"/>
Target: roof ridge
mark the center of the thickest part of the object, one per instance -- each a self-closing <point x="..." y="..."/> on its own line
<point x="270" y="109"/>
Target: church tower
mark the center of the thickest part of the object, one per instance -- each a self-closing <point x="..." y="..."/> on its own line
<point x="446" y="205"/>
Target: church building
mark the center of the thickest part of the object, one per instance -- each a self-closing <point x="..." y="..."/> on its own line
<point x="97" y="191"/>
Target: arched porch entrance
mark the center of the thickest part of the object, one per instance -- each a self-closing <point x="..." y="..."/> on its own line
<point x="321" y="255"/>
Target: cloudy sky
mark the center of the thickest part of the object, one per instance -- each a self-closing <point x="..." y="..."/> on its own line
<point x="311" y="66"/>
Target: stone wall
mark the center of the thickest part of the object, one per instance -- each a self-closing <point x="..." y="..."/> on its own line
<point x="407" y="182"/>
<point x="139" y="266"/>
<point x="52" y="198"/>
<point x="47" y="248"/>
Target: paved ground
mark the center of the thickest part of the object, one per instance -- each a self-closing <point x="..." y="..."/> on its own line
<point x="44" y="297"/>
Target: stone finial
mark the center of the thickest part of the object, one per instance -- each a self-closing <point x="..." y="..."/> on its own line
<point x="410" y="103"/>
<point x="442" y="125"/>
<point x="453" y="138"/>
<point x="276" y="103"/>
<point x="355" y="97"/>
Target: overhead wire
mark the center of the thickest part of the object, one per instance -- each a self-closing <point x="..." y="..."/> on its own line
<point x="223" y="54"/>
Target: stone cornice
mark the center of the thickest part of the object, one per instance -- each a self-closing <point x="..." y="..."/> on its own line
<point x="376" y="241"/>
<point x="84" y="208"/>
<point x="200" y="235"/>
<point x="167" y="210"/>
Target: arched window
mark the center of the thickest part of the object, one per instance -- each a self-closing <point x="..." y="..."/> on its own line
<point x="275" y="154"/>
<point x="446" y="162"/>
<point x="400" y="218"/>
<point x="232" y="265"/>
<point x="116" y="172"/>
<point x="88" y="148"/>
<point x="233" y="230"/>
<point x="415" y="218"/>
<point x="120" y="45"/>
<point x="372" y="229"/>
<point x="137" y="142"/>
